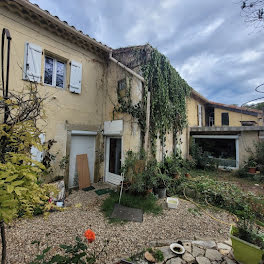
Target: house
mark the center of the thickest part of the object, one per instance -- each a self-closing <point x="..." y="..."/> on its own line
<point x="228" y="132"/>
<point x="98" y="103"/>
<point x="80" y="79"/>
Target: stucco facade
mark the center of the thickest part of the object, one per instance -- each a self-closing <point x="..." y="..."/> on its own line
<point x="235" y="118"/>
<point x="66" y="111"/>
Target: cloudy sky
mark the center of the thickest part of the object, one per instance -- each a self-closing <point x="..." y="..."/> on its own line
<point x="207" y="41"/>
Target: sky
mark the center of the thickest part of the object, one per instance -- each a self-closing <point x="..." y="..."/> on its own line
<point x="207" y="41"/>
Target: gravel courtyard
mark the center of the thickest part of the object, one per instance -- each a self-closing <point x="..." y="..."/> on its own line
<point x="125" y="239"/>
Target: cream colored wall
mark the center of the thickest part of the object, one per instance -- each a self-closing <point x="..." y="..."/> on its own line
<point x="63" y="109"/>
<point x="192" y="111"/>
<point x="247" y="144"/>
<point x="132" y="132"/>
<point x="234" y="117"/>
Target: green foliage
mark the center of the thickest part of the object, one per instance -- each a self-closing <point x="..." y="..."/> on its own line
<point x="202" y="158"/>
<point x="168" y="98"/>
<point x="20" y="191"/>
<point x="72" y="254"/>
<point x="157" y="254"/>
<point x="258" y="106"/>
<point x="220" y="194"/>
<point x="246" y="229"/>
<point x="147" y="203"/>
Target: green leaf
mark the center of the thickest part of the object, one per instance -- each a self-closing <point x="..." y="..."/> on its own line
<point x="9" y="188"/>
<point x="46" y="250"/>
<point x="16" y="183"/>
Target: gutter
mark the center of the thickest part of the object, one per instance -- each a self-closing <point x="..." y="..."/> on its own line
<point x="125" y="67"/>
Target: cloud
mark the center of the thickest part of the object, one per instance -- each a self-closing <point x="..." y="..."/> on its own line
<point x="206" y="41"/>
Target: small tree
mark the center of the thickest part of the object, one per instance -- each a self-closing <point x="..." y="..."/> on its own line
<point x="253" y="11"/>
<point x="20" y="190"/>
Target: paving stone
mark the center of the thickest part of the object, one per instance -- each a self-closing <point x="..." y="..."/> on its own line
<point x="167" y="253"/>
<point x="203" y="260"/>
<point x="229" y="261"/>
<point x="175" y="261"/>
<point x="223" y="246"/>
<point x="204" y="244"/>
<point x="188" y="257"/>
<point x="228" y="242"/>
<point x="224" y="251"/>
<point x="187" y="246"/>
<point x="197" y="251"/>
<point x="213" y="254"/>
<point x="149" y="257"/>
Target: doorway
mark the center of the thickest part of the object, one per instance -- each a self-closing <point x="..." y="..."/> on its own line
<point x="113" y="160"/>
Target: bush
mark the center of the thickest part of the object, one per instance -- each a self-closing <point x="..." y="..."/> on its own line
<point x="202" y="158"/>
<point x="220" y="194"/>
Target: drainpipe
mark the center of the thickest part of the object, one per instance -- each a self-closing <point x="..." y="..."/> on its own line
<point x="125" y="67"/>
<point x="6" y="33"/>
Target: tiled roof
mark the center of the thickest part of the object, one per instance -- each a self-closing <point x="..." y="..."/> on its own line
<point x="236" y="107"/>
<point x="36" y="7"/>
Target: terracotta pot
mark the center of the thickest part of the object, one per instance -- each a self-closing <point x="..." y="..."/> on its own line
<point x="149" y="191"/>
<point x="176" y="176"/>
<point x="252" y="170"/>
<point x="188" y="176"/>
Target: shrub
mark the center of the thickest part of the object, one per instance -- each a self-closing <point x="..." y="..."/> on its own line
<point x="220" y="194"/>
<point x="77" y="253"/>
<point x="202" y="158"/>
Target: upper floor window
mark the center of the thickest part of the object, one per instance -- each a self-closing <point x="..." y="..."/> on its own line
<point x="225" y="119"/>
<point x="54" y="72"/>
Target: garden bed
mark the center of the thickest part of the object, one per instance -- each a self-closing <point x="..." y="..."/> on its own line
<point x="126" y="239"/>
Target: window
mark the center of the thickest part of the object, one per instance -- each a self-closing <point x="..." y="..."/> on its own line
<point x="54" y="72"/>
<point x="122" y="88"/>
<point x="225" y="119"/>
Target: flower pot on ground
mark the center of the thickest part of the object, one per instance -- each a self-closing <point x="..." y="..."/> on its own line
<point x="188" y="175"/>
<point x="163" y="182"/>
<point x="252" y="170"/>
<point x="162" y="191"/>
<point x="244" y="251"/>
<point x="176" y="175"/>
<point x="251" y="165"/>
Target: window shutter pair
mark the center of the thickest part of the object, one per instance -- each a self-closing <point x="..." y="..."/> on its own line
<point x="32" y="68"/>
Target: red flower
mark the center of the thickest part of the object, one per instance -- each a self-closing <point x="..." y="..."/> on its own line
<point x="90" y="235"/>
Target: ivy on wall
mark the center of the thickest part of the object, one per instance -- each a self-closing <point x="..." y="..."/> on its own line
<point x="167" y="101"/>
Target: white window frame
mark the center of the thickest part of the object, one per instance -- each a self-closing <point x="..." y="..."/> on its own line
<point x="54" y="72"/>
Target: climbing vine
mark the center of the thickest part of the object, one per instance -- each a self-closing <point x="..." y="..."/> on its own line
<point x="167" y="101"/>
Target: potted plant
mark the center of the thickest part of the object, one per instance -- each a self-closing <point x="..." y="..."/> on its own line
<point x="252" y="165"/>
<point x="162" y="183"/>
<point x="247" y="241"/>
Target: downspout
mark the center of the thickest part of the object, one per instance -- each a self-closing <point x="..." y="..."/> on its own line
<point x="125" y="67"/>
<point x="6" y="33"/>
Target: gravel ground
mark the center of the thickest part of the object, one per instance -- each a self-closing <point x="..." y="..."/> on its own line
<point x="125" y="239"/>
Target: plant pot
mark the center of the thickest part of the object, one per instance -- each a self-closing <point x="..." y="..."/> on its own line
<point x="161" y="192"/>
<point x="149" y="191"/>
<point x="188" y="176"/>
<point x="252" y="170"/>
<point x="245" y="252"/>
<point x="176" y="176"/>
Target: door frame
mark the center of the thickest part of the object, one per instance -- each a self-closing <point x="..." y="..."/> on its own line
<point x="107" y="149"/>
<point x="72" y="132"/>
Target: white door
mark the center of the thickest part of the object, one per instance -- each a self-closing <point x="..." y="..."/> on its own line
<point x="113" y="160"/>
<point x="81" y="144"/>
